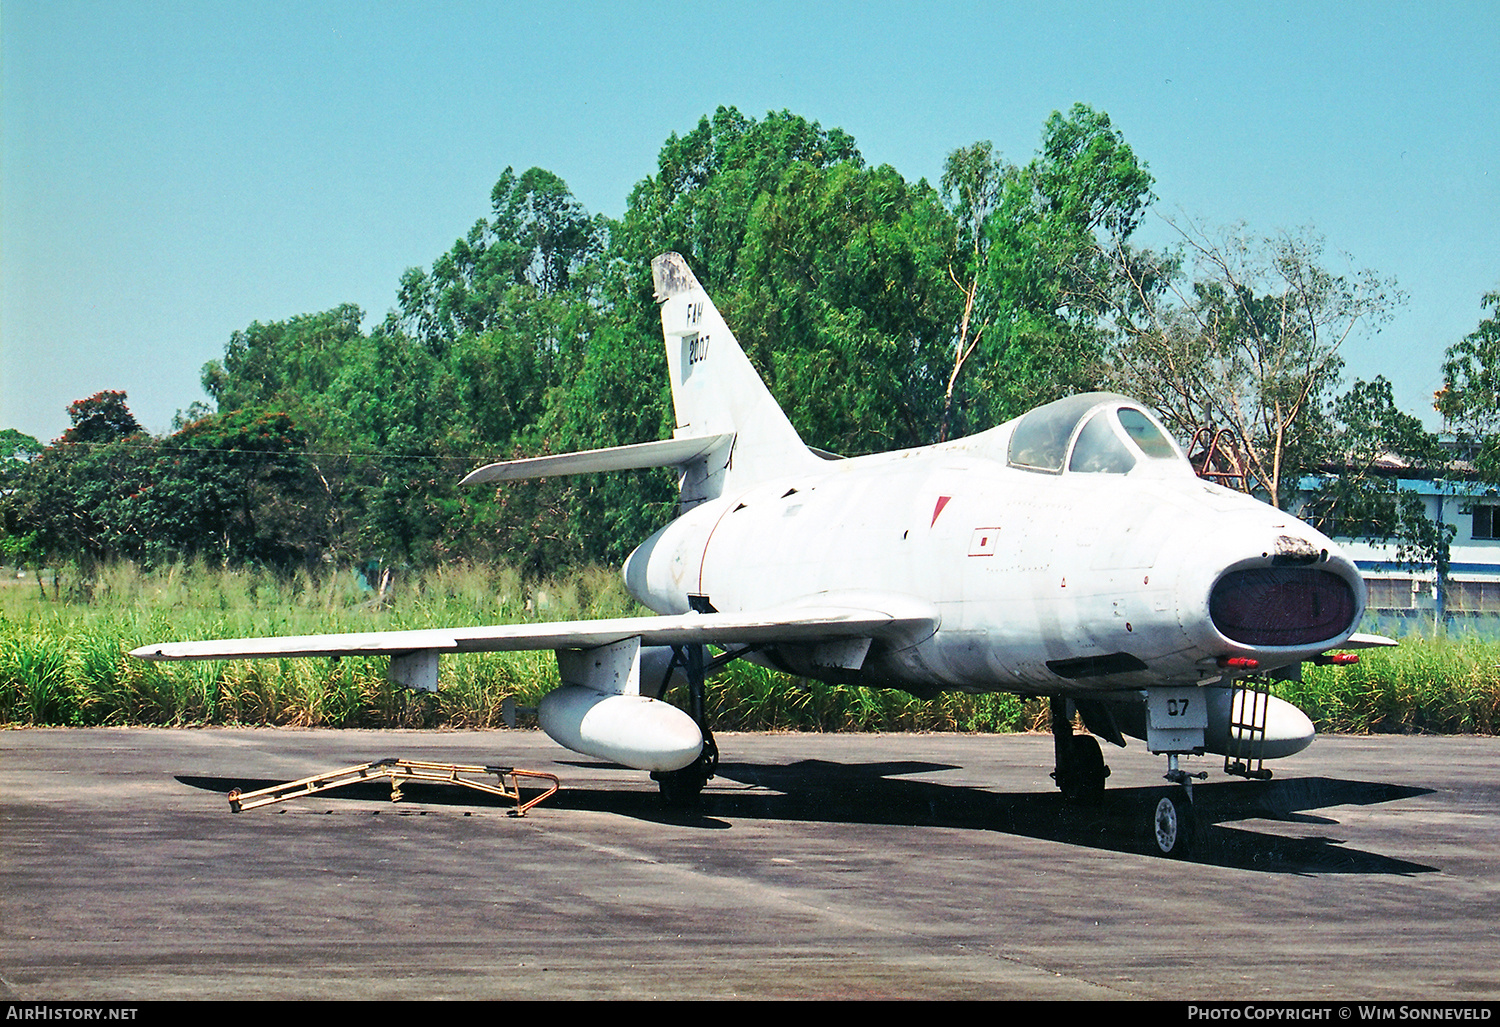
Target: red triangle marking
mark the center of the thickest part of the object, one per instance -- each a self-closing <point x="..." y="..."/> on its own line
<point x="941" y="502"/>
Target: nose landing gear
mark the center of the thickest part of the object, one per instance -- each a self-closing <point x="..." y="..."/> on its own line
<point x="1171" y="827"/>
<point x="1174" y="822"/>
<point x="1174" y="825"/>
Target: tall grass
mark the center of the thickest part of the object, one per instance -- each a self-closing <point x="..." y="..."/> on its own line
<point x="1442" y="684"/>
<point x="63" y="658"/>
<point x="63" y="661"/>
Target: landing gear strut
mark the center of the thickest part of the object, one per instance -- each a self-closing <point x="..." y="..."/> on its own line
<point x="682" y="788"/>
<point x="1080" y="772"/>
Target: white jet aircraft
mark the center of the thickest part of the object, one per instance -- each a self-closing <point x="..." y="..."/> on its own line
<point x="1069" y="553"/>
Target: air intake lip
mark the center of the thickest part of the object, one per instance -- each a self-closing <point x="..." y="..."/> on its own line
<point x="1298" y="559"/>
<point x="1282" y="606"/>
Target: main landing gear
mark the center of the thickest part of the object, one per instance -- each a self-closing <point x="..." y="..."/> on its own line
<point x="1080" y="772"/>
<point x="682" y="788"/>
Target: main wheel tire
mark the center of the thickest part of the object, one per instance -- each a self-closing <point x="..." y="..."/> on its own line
<point x="681" y="789"/>
<point x="1082" y="778"/>
<point x="1174" y="825"/>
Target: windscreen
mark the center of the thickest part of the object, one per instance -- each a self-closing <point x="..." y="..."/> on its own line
<point x="1115" y="436"/>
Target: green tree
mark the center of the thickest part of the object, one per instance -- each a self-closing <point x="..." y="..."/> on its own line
<point x="974" y="178"/>
<point x="1470" y="397"/>
<point x="232" y="487"/>
<point x="700" y="201"/>
<point x="395" y="410"/>
<point x="64" y="500"/>
<point x="290" y="369"/>
<point x="1034" y="268"/>
<point x="60" y="501"/>
<point x="1249" y="351"/>
<point x="228" y="487"/>
<point x="617" y="397"/>
<point x="1371" y="447"/>
<point x="843" y="293"/>
<point x="101" y="418"/>
<point x="21" y="546"/>
<point x="16" y="451"/>
<point x="828" y="271"/>
<point x="1048" y="280"/>
<point x="537" y="240"/>
<point x="286" y="365"/>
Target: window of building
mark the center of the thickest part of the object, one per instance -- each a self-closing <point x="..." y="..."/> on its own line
<point x="1388" y="593"/>
<point x="1473" y="596"/>
<point x="1486" y="522"/>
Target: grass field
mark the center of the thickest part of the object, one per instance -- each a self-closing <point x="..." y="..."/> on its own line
<point x="63" y="656"/>
<point x="63" y="661"/>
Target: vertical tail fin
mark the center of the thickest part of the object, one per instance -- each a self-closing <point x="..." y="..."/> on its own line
<point x="716" y="390"/>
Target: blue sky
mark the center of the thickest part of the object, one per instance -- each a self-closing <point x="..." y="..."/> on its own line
<point x="173" y="172"/>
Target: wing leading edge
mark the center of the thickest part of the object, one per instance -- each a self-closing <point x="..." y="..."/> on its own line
<point x="896" y="619"/>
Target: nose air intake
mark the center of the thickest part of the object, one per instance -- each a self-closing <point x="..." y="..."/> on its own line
<point x="1282" y="606"/>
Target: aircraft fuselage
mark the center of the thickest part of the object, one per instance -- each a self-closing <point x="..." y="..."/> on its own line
<point x="1063" y="583"/>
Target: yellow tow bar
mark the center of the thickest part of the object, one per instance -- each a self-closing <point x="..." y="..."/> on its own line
<point x="399" y="771"/>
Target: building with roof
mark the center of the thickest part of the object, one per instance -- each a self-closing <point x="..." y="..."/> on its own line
<point x="1405" y="596"/>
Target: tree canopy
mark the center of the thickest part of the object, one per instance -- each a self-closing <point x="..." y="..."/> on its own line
<point x="882" y="313"/>
<point x="1248" y="350"/>
<point x="1470" y="397"/>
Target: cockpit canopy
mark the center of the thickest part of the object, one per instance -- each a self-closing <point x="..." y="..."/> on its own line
<point x="1094" y="433"/>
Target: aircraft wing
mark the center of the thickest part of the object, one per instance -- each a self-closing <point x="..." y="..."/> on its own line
<point x="897" y="619"/>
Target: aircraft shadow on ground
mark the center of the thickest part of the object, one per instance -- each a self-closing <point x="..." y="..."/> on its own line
<point x="875" y="793"/>
<point x="879" y="793"/>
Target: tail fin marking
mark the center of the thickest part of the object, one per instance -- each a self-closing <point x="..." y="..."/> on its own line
<point x="715" y="388"/>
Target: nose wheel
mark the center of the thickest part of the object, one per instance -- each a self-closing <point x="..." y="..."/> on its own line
<point x="1174" y="824"/>
<point x="1173" y="828"/>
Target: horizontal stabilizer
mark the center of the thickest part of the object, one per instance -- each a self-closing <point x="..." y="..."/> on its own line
<point x="898" y="619"/>
<point x="664" y="453"/>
